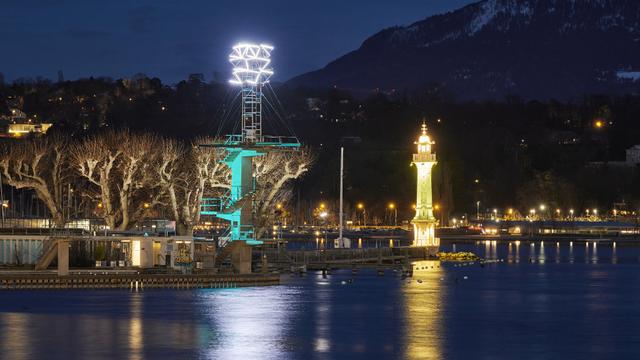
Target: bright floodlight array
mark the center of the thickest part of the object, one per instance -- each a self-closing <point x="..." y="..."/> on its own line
<point x="251" y="64"/>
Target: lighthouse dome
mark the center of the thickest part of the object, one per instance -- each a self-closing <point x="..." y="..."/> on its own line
<point x="424" y="141"/>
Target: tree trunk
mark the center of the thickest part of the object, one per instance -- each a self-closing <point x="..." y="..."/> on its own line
<point x="58" y="219"/>
<point x="183" y="229"/>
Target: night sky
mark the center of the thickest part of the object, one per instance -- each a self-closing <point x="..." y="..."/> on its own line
<point x="171" y="39"/>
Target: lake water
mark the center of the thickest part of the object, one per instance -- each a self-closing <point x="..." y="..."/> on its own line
<point x="545" y="302"/>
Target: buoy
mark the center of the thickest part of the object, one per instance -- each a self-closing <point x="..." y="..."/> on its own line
<point x="419" y="281"/>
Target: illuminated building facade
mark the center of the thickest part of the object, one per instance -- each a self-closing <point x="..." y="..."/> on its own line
<point x="18" y="125"/>
<point x="424" y="223"/>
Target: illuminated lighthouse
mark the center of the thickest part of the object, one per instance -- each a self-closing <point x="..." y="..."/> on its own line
<point x="424" y="223"/>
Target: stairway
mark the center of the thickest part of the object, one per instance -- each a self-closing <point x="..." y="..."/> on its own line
<point x="231" y="156"/>
<point x="49" y="252"/>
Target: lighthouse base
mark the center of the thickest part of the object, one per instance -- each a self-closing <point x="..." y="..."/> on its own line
<point x="424" y="234"/>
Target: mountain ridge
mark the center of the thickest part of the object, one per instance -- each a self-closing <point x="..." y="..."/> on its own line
<point x="494" y="48"/>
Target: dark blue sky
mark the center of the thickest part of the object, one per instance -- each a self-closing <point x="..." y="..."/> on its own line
<point x="171" y="39"/>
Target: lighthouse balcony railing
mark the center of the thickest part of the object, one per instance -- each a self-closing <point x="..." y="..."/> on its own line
<point x="424" y="158"/>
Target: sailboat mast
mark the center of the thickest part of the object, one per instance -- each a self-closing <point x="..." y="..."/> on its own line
<point x="340" y="240"/>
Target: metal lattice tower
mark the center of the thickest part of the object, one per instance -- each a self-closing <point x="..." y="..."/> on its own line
<point x="251" y="70"/>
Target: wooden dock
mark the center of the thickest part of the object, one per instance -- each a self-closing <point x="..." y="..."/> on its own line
<point x="51" y="281"/>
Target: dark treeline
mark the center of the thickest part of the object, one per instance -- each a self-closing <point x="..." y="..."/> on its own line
<point x="509" y="153"/>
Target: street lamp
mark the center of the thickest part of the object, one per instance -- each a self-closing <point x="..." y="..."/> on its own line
<point x="323" y="216"/>
<point x="392" y="206"/>
<point x="598" y="124"/>
<point x="5" y="205"/>
<point x="436" y="207"/>
<point x="360" y="206"/>
<point x="478" y="210"/>
<point x="571" y="214"/>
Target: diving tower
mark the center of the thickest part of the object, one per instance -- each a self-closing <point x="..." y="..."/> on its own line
<point x="251" y="71"/>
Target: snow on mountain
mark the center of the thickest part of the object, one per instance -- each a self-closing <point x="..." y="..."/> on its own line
<point x="492" y="48"/>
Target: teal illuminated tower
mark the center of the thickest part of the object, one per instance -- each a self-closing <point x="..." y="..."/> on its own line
<point x="424" y="223"/>
<point x="251" y="70"/>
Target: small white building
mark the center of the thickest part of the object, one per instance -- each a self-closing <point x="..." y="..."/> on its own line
<point x="633" y="155"/>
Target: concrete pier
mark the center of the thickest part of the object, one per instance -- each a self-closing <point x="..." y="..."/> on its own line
<point x="63" y="257"/>
<point x="241" y="257"/>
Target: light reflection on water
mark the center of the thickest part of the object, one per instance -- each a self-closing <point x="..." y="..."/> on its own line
<point x="322" y="329"/>
<point x="538" y="251"/>
<point x="423" y="313"/>
<point x="136" y="343"/>
<point x="247" y="323"/>
<point x="546" y="300"/>
<point x="15" y="342"/>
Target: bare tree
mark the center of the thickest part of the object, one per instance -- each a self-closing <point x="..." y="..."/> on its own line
<point x="41" y="165"/>
<point x="274" y="174"/>
<point x="185" y="174"/>
<point x="117" y="167"/>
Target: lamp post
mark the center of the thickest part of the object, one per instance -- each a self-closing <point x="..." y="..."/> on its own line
<point x="392" y="207"/>
<point x="360" y="206"/>
<point x="323" y="216"/>
<point x="477" y="209"/>
<point x="436" y="207"/>
<point x="2" y="199"/>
